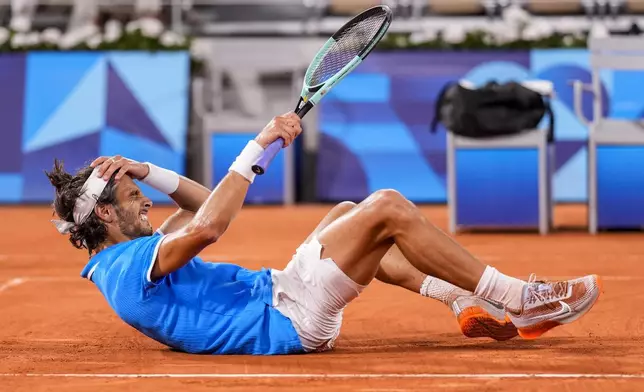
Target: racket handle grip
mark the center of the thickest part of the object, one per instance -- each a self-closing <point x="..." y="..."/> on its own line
<point x="271" y="151"/>
<point x="267" y="157"/>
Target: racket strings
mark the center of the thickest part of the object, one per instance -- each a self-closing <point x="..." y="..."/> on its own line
<point x="349" y="44"/>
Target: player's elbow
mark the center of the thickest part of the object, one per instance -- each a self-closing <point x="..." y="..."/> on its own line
<point x="206" y="233"/>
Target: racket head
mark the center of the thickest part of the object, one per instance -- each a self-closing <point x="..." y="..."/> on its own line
<point x="355" y="39"/>
<point x="339" y="55"/>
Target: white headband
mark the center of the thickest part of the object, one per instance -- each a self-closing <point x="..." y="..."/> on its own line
<point x="90" y="193"/>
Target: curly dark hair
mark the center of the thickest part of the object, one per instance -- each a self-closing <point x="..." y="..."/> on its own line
<point x="92" y="233"/>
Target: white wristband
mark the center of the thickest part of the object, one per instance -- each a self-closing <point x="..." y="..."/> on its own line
<point x="161" y="179"/>
<point x="246" y="159"/>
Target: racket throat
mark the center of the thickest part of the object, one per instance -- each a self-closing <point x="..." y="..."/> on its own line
<point x="303" y="107"/>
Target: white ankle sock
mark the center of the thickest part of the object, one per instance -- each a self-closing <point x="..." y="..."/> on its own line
<point x="501" y="288"/>
<point x="440" y="290"/>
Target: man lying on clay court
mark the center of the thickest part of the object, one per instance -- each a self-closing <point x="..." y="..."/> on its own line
<point x="157" y="284"/>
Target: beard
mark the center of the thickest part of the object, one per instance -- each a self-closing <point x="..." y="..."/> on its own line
<point x="132" y="225"/>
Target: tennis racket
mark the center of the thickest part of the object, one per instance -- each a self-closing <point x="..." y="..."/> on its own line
<point x="340" y="55"/>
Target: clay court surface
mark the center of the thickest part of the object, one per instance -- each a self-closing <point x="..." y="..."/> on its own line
<point x="57" y="332"/>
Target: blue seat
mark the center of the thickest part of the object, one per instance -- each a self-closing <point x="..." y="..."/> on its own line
<point x="615" y="146"/>
<point x="503" y="182"/>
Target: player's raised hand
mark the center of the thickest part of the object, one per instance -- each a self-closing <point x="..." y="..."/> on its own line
<point x="109" y="165"/>
<point x="287" y="126"/>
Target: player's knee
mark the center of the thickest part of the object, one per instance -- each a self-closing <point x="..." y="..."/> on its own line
<point x="344" y="207"/>
<point x="388" y="197"/>
<point x="390" y="204"/>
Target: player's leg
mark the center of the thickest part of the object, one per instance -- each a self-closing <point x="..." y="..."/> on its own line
<point x="337" y="211"/>
<point x="394" y="268"/>
<point x="358" y="240"/>
<point x="476" y="317"/>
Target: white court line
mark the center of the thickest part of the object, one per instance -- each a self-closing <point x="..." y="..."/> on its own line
<point x="53" y="279"/>
<point x="11" y="283"/>
<point x="29" y="257"/>
<point x="18" y="281"/>
<point x="480" y="376"/>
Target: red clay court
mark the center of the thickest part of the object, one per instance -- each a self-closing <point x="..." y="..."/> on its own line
<point x="57" y="332"/>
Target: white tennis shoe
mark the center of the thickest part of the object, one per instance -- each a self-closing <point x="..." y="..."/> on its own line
<point x="482" y="318"/>
<point x="547" y="305"/>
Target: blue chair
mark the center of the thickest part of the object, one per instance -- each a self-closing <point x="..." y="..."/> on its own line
<point x="615" y="146"/>
<point x="501" y="183"/>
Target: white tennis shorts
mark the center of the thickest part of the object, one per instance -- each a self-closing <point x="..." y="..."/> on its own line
<point x="313" y="292"/>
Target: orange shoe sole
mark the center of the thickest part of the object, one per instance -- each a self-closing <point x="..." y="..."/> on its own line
<point x="477" y="323"/>
<point x="539" y="329"/>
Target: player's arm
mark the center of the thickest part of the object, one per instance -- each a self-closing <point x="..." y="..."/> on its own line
<point x="222" y="205"/>
<point x="189" y="195"/>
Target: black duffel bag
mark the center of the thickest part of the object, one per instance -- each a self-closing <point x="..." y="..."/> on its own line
<point x="492" y="110"/>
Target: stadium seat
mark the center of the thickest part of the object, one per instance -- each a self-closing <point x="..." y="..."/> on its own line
<point x="350" y="7"/>
<point x="615" y="145"/>
<point x="455" y="7"/>
<point x="554" y="6"/>
<point x="482" y="177"/>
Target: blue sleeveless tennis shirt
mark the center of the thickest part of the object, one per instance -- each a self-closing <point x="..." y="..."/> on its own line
<point x="213" y="308"/>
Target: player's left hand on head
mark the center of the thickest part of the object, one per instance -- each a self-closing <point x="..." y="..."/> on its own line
<point x="109" y="165"/>
<point x="287" y="126"/>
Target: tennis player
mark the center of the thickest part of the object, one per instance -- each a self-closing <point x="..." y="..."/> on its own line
<point x="156" y="283"/>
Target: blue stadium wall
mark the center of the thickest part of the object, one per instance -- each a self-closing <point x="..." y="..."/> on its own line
<point x="375" y="124"/>
<point x="77" y="106"/>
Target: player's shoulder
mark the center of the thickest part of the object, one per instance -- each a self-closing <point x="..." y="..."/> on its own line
<point x="127" y="251"/>
<point x="134" y="245"/>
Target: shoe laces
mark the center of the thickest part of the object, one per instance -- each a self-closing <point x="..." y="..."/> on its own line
<point x="541" y="291"/>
